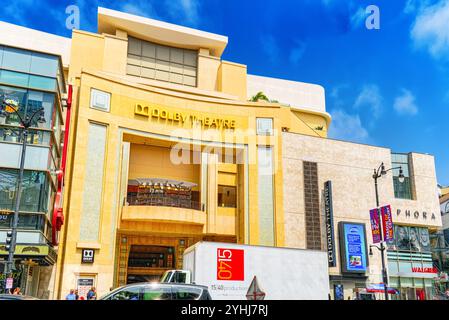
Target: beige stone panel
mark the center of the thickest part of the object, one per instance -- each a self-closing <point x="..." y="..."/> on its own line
<point x="207" y="72"/>
<point x="115" y="51"/>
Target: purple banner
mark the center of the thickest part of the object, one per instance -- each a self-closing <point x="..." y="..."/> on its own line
<point x="387" y="220"/>
<point x="375" y="225"/>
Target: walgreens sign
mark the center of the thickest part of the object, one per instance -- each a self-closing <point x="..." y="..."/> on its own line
<point x="424" y="270"/>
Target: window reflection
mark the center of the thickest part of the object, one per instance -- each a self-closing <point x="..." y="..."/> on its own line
<point x="35" y="190"/>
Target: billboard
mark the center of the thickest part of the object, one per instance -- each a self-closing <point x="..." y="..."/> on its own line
<point x="353" y="249"/>
<point x="407" y="238"/>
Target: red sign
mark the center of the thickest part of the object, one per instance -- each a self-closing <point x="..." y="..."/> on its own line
<point x="387" y="223"/>
<point x="230" y="264"/>
<point x="424" y="270"/>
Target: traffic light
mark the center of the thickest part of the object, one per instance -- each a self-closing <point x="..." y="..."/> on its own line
<point x="8" y="240"/>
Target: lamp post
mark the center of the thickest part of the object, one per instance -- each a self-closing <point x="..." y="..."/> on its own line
<point x="25" y="124"/>
<point x="377" y="174"/>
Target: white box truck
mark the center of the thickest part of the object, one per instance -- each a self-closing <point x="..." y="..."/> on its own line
<point x="240" y="272"/>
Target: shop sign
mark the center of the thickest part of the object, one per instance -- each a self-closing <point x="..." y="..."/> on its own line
<point x="211" y="121"/>
<point x="424" y="269"/>
<point x="375" y="225"/>
<point x="27" y="250"/>
<point x="415" y="214"/>
<point x="329" y="216"/>
<point x="353" y="249"/>
<point x="88" y="256"/>
<point x="387" y="220"/>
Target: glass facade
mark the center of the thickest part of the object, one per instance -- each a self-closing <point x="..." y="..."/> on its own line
<point x="401" y="190"/>
<point x="154" y="61"/>
<point x="408" y="256"/>
<point x="35" y="191"/>
<point x="32" y="80"/>
<point x="29" y="101"/>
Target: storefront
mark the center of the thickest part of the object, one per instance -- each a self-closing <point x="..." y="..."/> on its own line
<point x="410" y="264"/>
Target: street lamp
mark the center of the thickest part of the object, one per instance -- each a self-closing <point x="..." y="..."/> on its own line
<point x="380" y="172"/>
<point x="11" y="106"/>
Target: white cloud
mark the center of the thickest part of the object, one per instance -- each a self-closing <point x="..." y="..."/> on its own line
<point x="430" y="29"/>
<point x="371" y="98"/>
<point x="415" y="5"/>
<point x="405" y="103"/>
<point x="358" y="18"/>
<point x="186" y="11"/>
<point x="297" y="52"/>
<point x="347" y="127"/>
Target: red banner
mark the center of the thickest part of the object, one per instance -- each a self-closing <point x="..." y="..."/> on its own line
<point x="230" y="264"/>
<point x="387" y="223"/>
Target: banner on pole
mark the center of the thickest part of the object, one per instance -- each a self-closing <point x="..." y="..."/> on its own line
<point x="375" y="225"/>
<point x="387" y="223"/>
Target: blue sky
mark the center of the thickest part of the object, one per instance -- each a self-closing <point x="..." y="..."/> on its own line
<point x="387" y="87"/>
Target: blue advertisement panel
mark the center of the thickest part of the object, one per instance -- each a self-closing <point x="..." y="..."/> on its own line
<point x="353" y="247"/>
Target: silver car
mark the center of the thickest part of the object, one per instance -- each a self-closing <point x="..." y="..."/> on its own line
<point x="159" y="291"/>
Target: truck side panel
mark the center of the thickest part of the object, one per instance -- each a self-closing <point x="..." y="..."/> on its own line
<point x="282" y="273"/>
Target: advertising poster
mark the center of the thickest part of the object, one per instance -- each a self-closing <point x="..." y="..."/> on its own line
<point x="84" y="285"/>
<point x="353" y="247"/>
<point x="387" y="224"/>
<point x="375" y="225"/>
<point x="338" y="292"/>
<point x="413" y="239"/>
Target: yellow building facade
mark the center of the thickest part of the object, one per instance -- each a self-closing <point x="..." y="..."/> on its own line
<point x="165" y="150"/>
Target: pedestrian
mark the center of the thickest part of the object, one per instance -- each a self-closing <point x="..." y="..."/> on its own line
<point x="77" y="295"/>
<point x="71" y="295"/>
<point x="17" y="292"/>
<point x="92" y="294"/>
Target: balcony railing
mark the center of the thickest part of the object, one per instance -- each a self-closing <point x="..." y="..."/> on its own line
<point x="162" y="200"/>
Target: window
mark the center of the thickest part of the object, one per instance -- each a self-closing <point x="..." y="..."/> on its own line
<point x="100" y="100"/>
<point x="35" y="190"/>
<point x="132" y="293"/>
<point x="227" y="197"/>
<point x="28" y="102"/>
<point x="265" y="126"/>
<point x="401" y="190"/>
<point x="29" y="62"/>
<point x="26" y="221"/>
<point x="156" y="293"/>
<point x="186" y="293"/>
<point x="154" y="61"/>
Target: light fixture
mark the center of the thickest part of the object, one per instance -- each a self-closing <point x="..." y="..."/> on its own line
<point x="383" y="172"/>
<point x="41" y="121"/>
<point x="401" y="177"/>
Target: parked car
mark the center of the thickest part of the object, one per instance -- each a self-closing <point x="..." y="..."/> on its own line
<point x="16" y="297"/>
<point x="159" y="291"/>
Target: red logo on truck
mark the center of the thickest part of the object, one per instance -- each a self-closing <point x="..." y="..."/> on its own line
<point x="230" y="264"/>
